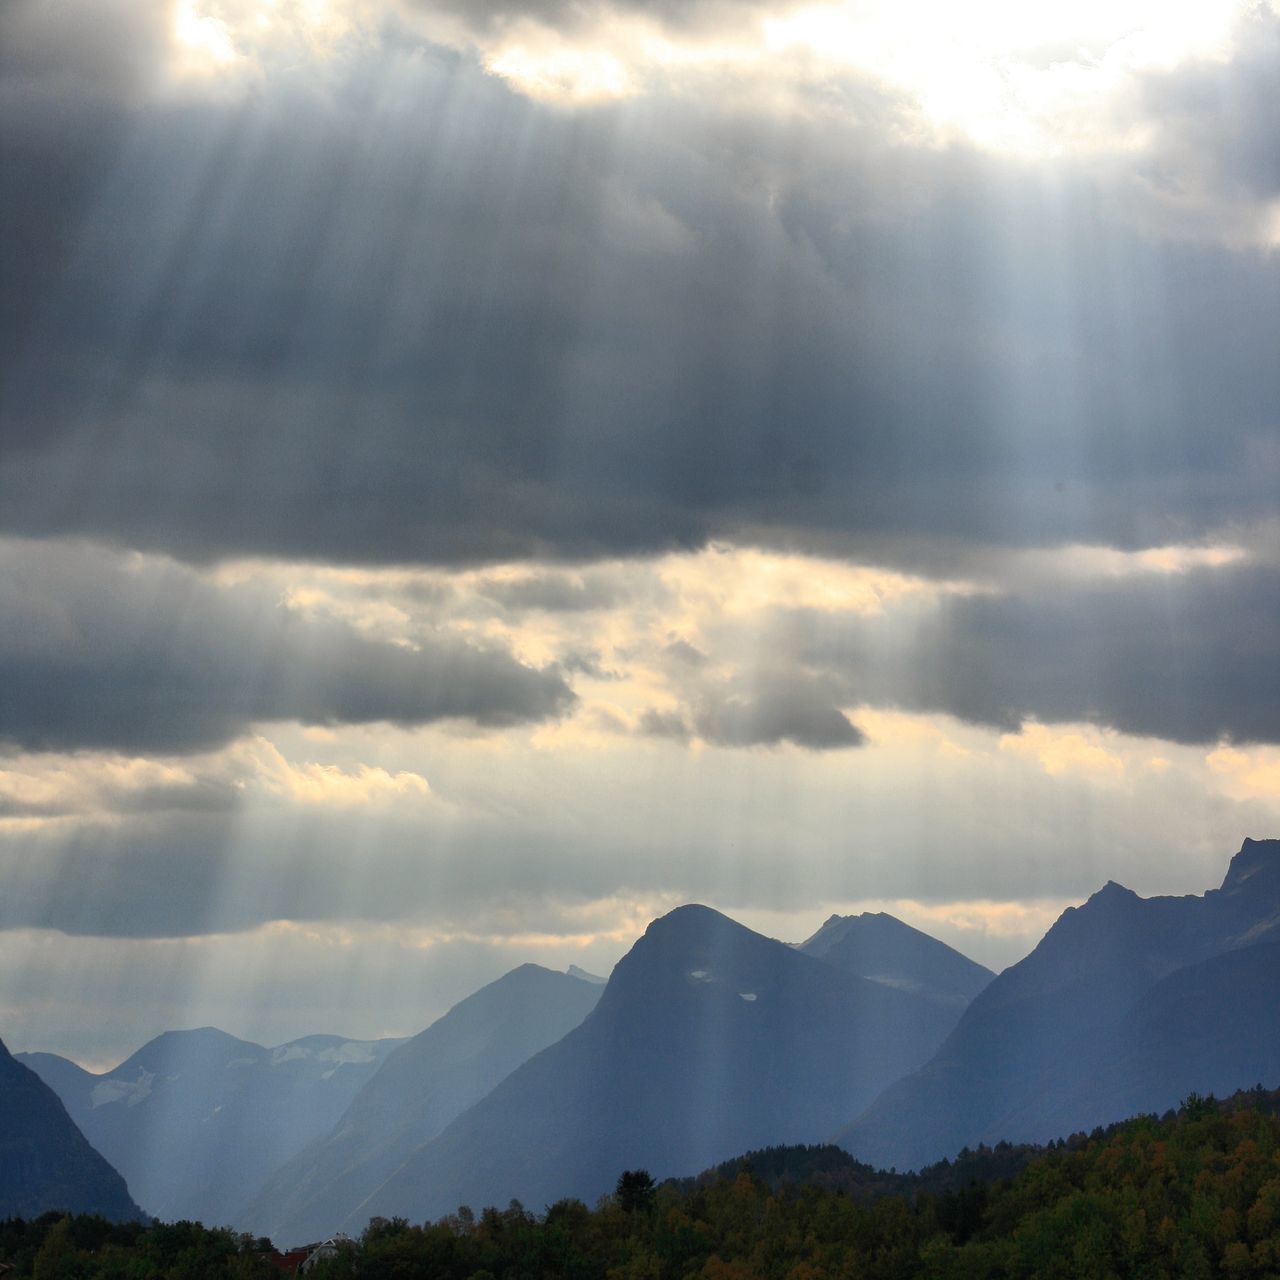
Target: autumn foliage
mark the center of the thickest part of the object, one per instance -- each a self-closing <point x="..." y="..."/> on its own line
<point x="1192" y="1194"/>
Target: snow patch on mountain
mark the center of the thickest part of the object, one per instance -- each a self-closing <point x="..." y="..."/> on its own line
<point x="130" y="1092"/>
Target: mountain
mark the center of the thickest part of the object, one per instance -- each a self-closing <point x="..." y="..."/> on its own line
<point x="708" y="1040"/>
<point x="879" y="947"/>
<point x="195" y="1117"/>
<point x="45" y="1161"/>
<point x="427" y="1082"/>
<point x="1126" y="1005"/>
<point x="66" y="1078"/>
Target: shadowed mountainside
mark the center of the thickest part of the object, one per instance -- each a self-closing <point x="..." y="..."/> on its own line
<point x="709" y="1040"/>
<point x="194" y="1117"/>
<point x="427" y="1082"/>
<point x="879" y="947"/>
<point x="1126" y="1005"/>
<point x="45" y="1161"/>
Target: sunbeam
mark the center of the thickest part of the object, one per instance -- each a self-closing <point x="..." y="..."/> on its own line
<point x="487" y="487"/>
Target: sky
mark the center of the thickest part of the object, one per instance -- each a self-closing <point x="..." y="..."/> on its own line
<point x="477" y="474"/>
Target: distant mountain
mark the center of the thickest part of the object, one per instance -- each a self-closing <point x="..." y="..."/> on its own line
<point x="1126" y="1005"/>
<point x="45" y="1161"/>
<point x="195" y="1117"/>
<point x="426" y="1083"/>
<point x="66" y="1078"/>
<point x="881" y="948"/>
<point x="708" y="1040"/>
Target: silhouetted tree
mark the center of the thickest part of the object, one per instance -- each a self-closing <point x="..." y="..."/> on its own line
<point x="635" y="1191"/>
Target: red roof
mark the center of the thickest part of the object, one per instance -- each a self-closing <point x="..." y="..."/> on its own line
<point x="288" y="1261"/>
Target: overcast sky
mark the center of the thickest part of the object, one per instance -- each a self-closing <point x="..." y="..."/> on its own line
<point x="475" y="475"/>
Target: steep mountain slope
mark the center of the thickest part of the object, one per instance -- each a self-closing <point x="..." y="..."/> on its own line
<point x="1212" y="1027"/>
<point x="195" y="1117"/>
<point x="45" y="1161"/>
<point x="882" y="948"/>
<point x="426" y="1083"/>
<point x="66" y="1078"/>
<point x="1089" y="1025"/>
<point x="709" y="1040"/>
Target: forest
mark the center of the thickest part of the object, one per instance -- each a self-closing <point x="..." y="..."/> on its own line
<point x="1194" y="1193"/>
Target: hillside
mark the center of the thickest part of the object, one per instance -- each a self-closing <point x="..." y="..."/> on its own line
<point x="1126" y="1005"/>
<point x="45" y="1161"/>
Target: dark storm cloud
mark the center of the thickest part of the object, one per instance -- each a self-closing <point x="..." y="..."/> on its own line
<point x="68" y="75"/>
<point x="203" y="795"/>
<point x="173" y="874"/>
<point x="656" y="723"/>
<point x="405" y="316"/>
<point x="96" y="653"/>
<point x="773" y="709"/>
<point x="1186" y="657"/>
<point x="77" y="52"/>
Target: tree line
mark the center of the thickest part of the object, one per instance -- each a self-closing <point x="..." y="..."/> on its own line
<point x="1195" y="1193"/>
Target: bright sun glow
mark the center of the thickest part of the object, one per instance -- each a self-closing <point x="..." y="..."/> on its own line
<point x="564" y="73"/>
<point x="1011" y="76"/>
<point x="1035" y="80"/>
<point x="221" y="37"/>
<point x="206" y="41"/>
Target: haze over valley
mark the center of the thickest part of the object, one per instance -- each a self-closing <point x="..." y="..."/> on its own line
<point x="707" y="1041"/>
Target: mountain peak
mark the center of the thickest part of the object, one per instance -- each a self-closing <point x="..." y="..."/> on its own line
<point x="689" y="911"/>
<point x="884" y="949"/>
<point x="1113" y="892"/>
<point x="709" y="1038"/>
<point x="1255" y="856"/>
<point x="692" y="922"/>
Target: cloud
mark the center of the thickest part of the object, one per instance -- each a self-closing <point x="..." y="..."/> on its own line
<point x="656" y="722"/>
<point x="569" y="15"/>
<point x="299" y="324"/>
<point x="142" y="655"/>
<point x="509" y="838"/>
<point x="102" y="50"/>
<point x="1215" y="121"/>
<point x="67" y="786"/>
<point x="1185" y="657"/>
<point x="770" y="709"/>
<point x="551" y="592"/>
<point x="1060" y="753"/>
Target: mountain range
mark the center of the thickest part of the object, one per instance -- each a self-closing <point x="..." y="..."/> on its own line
<point x="709" y="1039"/>
<point x="706" y="1041"/>
<point x="424" y="1084"/>
<point x="194" y="1118"/>
<point x="1127" y="1004"/>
